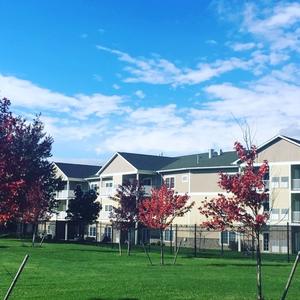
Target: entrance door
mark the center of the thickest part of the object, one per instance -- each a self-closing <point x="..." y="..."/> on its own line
<point x="60" y="230"/>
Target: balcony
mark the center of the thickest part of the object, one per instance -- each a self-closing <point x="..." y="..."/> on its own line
<point x="107" y="191"/>
<point x="296" y="216"/>
<point x="147" y="189"/>
<point x="65" y="194"/>
<point x="61" y="215"/>
<point x="295" y="184"/>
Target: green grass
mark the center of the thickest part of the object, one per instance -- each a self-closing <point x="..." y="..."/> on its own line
<point x="71" y="271"/>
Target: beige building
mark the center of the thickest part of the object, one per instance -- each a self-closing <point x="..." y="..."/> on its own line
<point x="197" y="175"/>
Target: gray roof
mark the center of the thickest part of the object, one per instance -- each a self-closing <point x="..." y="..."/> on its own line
<point x="147" y="162"/>
<point x="292" y="139"/>
<point x="202" y="160"/>
<point x="156" y="163"/>
<point x="77" y="170"/>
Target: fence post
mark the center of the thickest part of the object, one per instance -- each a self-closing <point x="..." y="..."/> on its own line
<point x="253" y="244"/>
<point x="195" y="240"/>
<point x="288" y="240"/>
<point x="176" y="229"/>
<point x="171" y="239"/>
<point x="112" y="236"/>
<point x="222" y="243"/>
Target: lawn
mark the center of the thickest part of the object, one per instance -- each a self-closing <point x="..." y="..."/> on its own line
<point x="72" y="271"/>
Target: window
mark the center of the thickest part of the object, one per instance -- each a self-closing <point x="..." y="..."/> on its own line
<point x="170" y="182"/>
<point x="266" y="241"/>
<point x="108" y="231"/>
<point x="168" y="235"/>
<point x="92" y="230"/>
<point x="147" y="181"/>
<point x="266" y="205"/>
<point x="275" y="182"/>
<point x="108" y="207"/>
<point x="227" y="236"/>
<point x="185" y="178"/>
<point x="94" y="186"/>
<point x="275" y="214"/>
<point x="108" y="184"/>
<point x="61" y="205"/>
<point x="284" y="182"/>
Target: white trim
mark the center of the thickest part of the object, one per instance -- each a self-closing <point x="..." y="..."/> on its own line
<point x="128" y="161"/>
<point x="106" y="164"/>
<point x="112" y="158"/>
<point x="271" y="140"/>
<point x="189" y="182"/>
<point x="60" y="170"/>
<point x="119" y="173"/>
<point x="170" y="176"/>
<point x="196" y="168"/>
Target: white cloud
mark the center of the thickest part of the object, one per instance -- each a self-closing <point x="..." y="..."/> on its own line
<point x="243" y="46"/>
<point x="157" y="70"/>
<point x="276" y="25"/>
<point x="211" y="42"/>
<point x="116" y="86"/>
<point x="24" y="93"/>
<point x="269" y="104"/>
<point x="140" y="94"/>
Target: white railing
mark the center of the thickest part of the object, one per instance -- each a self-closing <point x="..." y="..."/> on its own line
<point x="64" y="194"/>
<point x="296" y="216"/>
<point x="61" y="215"/>
<point x="296" y="184"/>
<point x="147" y="189"/>
<point x="107" y="191"/>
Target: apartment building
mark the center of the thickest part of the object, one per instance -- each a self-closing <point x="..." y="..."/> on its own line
<point x="198" y="176"/>
<point x="72" y="175"/>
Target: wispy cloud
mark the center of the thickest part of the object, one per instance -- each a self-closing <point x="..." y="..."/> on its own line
<point x="140" y="94"/>
<point x="157" y="70"/>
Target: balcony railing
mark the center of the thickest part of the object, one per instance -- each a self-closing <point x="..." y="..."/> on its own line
<point x="147" y="189"/>
<point x="65" y="194"/>
<point x="296" y="184"/>
<point x="107" y="191"/>
<point x="296" y="216"/>
<point x="61" y="215"/>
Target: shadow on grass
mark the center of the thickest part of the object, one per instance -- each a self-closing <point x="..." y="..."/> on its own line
<point x="221" y="265"/>
<point x="95" y="250"/>
<point x="97" y="298"/>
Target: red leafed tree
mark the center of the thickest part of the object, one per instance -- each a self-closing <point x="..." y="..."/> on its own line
<point x="27" y="178"/>
<point x="159" y="211"/>
<point x="10" y="185"/>
<point x="242" y="207"/>
<point x="125" y="214"/>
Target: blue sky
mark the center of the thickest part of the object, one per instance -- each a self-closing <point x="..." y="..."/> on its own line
<point x="151" y="76"/>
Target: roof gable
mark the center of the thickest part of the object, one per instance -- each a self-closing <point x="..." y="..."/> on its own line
<point x="147" y="162"/>
<point x="77" y="170"/>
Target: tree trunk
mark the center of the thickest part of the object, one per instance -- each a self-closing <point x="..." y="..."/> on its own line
<point x="258" y="270"/>
<point x="120" y="244"/>
<point x="161" y="247"/>
<point x="33" y="235"/>
<point x="129" y="241"/>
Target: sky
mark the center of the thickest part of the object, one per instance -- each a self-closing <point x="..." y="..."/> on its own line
<point x="157" y="77"/>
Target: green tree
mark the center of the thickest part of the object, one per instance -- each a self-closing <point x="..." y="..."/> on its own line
<point x="83" y="209"/>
